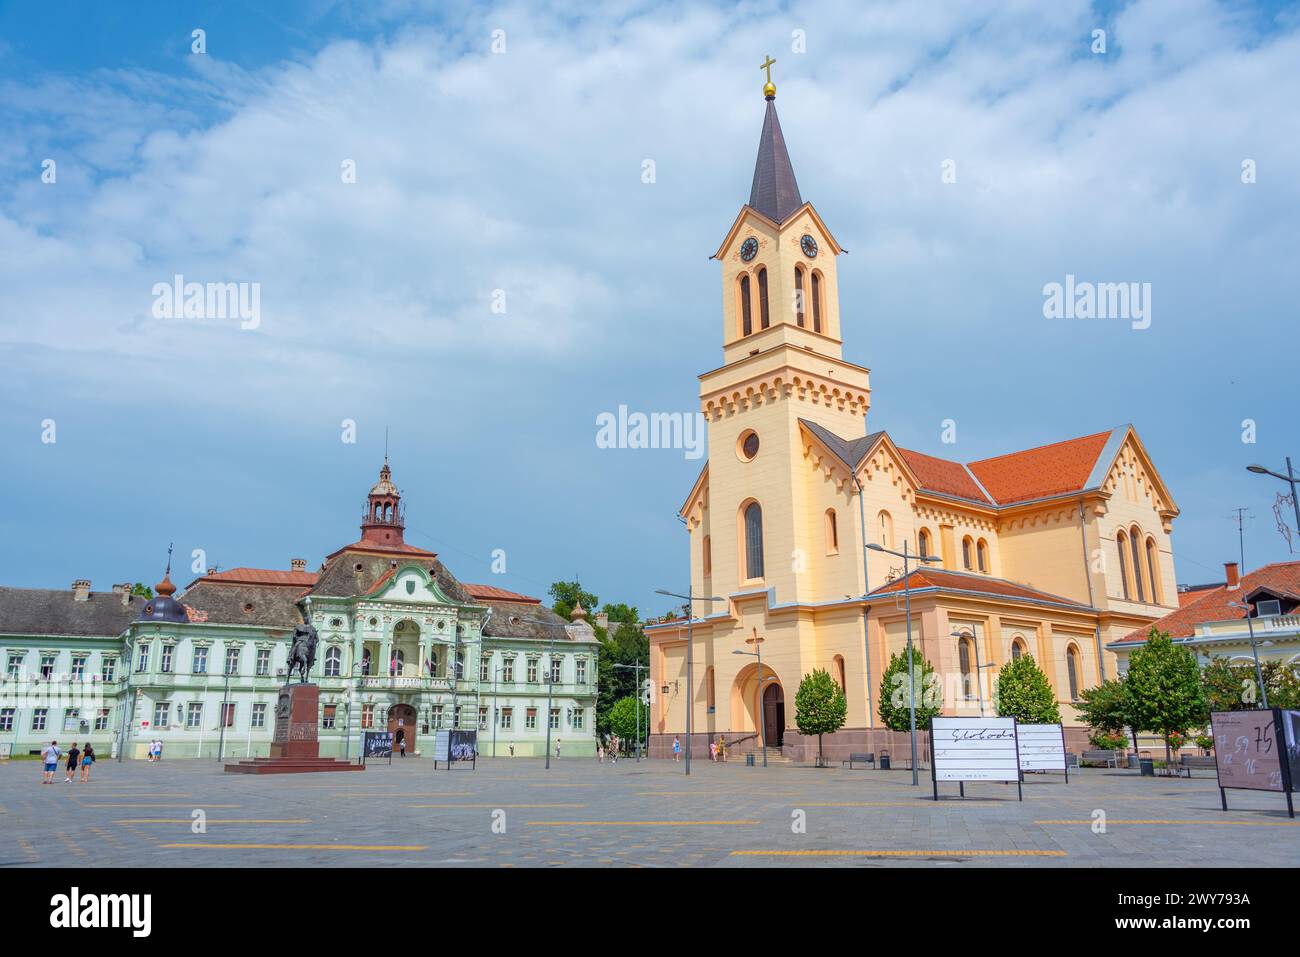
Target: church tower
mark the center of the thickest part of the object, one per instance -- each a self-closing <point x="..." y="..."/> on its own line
<point x="383" y="522"/>
<point x="782" y="363"/>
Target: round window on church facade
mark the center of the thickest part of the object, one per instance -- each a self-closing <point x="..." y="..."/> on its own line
<point x="747" y="445"/>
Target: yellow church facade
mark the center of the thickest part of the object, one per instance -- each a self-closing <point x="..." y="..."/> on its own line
<point x="1053" y="551"/>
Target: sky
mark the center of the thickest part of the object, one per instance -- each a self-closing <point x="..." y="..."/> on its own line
<point x="445" y="211"/>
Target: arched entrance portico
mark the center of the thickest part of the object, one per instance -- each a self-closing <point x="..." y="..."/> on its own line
<point x="773" y="715"/>
<point x="401" y="725"/>
<point x="758" y="711"/>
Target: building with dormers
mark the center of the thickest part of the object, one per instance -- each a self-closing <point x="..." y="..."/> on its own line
<point x="1053" y="552"/>
<point x="403" y="644"/>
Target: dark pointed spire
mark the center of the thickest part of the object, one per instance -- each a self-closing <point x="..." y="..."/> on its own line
<point x="775" y="193"/>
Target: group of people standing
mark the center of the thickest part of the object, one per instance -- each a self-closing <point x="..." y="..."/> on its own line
<point x="717" y="749"/>
<point x="155" y="750"/>
<point x="75" y="758"/>
<point x="608" y="748"/>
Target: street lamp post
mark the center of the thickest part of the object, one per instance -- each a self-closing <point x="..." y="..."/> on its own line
<point x="907" y="556"/>
<point x="496" y="709"/>
<point x="225" y="705"/>
<point x="550" y="658"/>
<point x="1290" y="478"/>
<point x="690" y="600"/>
<point x="1250" y="628"/>
<point x="637" y="669"/>
<point x="762" y="714"/>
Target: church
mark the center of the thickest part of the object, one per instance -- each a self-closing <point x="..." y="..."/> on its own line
<point x="403" y="645"/>
<point x="1053" y="552"/>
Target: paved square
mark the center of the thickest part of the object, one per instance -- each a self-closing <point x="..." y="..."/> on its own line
<point x="630" y="815"/>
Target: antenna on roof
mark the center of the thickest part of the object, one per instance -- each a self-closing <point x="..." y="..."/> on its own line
<point x="169" y="558"/>
<point x="1240" y="515"/>
<point x="385" y="445"/>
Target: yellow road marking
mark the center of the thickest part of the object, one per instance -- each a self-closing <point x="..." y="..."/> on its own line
<point x="28" y="849"/>
<point x="1202" y="822"/>
<point x="302" y="847"/>
<point x="69" y="844"/>
<point x="493" y="806"/>
<point x="633" y="823"/>
<point x="186" y="820"/>
<point x="107" y="838"/>
<point x="200" y="806"/>
<point x="419" y="794"/>
<point x="899" y="853"/>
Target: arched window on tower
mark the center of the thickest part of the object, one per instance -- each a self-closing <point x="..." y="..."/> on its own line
<point x="832" y="533"/>
<point x="923" y="542"/>
<point x="746" y="319"/>
<point x="709" y="699"/>
<point x="966" y="559"/>
<point x="1121" y="540"/>
<point x="1153" y="576"/>
<point x="817" y="301"/>
<point x="965" y="648"/>
<point x="1135" y="536"/>
<point x="1072" y="671"/>
<point x="982" y="555"/>
<point x="798" y="295"/>
<point x="763" y="320"/>
<point x="886" y="527"/>
<point x="837" y="672"/>
<point x="333" y="661"/>
<point x="753" y="541"/>
<point x="706" y="554"/>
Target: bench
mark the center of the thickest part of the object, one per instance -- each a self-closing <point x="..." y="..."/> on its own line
<point x="1188" y="761"/>
<point x="864" y="759"/>
<point x="1109" y="759"/>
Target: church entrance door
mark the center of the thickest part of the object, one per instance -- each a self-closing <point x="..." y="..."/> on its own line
<point x="773" y="715"/>
<point x="401" y="724"/>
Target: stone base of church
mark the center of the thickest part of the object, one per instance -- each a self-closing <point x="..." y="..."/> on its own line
<point x="836" y="747"/>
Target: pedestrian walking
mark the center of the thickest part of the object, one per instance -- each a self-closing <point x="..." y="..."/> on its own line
<point x="87" y="759"/>
<point x="677" y="749"/>
<point x="713" y="750"/>
<point x="401" y="741"/>
<point x="722" y="749"/>
<point x="600" y="752"/>
<point x="50" y="760"/>
<point x="73" y="754"/>
<point x="557" y="747"/>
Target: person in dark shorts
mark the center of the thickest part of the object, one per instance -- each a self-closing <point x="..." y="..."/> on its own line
<point x="73" y="754"/>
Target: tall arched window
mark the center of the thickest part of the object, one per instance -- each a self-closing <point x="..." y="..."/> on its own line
<point x="798" y="295"/>
<point x="1017" y="648"/>
<point x="1135" y="536"/>
<point x="1153" y="560"/>
<point x="966" y="558"/>
<point x="886" y="526"/>
<point x="706" y="548"/>
<point x="763" y="321"/>
<point x="837" y="672"/>
<point x="1072" y="670"/>
<point x="982" y="555"/>
<point x="333" y="661"/>
<point x="965" y="648"/>
<point x="708" y="690"/>
<point x="817" y="301"/>
<point x="746" y="319"/>
<point x="1121" y="540"/>
<point x="753" y="541"/>
<point x="923" y="542"/>
<point x="832" y="533"/>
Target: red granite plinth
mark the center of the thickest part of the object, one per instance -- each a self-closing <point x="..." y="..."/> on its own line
<point x="294" y="747"/>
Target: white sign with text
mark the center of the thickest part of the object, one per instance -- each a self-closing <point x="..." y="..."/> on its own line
<point x="1042" y="747"/>
<point x="975" y="749"/>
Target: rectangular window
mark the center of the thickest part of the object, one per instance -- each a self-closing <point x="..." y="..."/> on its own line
<point x="38" y="718"/>
<point x="109" y="670"/>
<point x="71" y="719"/>
<point x="194" y="714"/>
<point x="78" y="667"/>
<point x="165" y="660"/>
<point x="259" y="716"/>
<point x="232" y="661"/>
<point x="47" y="667"/>
<point x="508" y="670"/>
<point x="436" y="711"/>
<point x="532" y="671"/>
<point x="327" y="718"/>
<point x="555" y="718"/>
<point x="507" y="718"/>
<point x="582" y="671"/>
<point x="101" y="720"/>
<point x="578" y="718"/>
<point x="15" y="666"/>
<point x="482" y="718"/>
<point x="228" y="714"/>
<point x="485" y="669"/>
<point x="367" y="716"/>
<point x="200" y="661"/>
<point x="530" y="719"/>
<point x="555" y="670"/>
<point x="142" y="663"/>
<point x="161" y="714"/>
<point x="263" y="661"/>
<point x="6" y="719"/>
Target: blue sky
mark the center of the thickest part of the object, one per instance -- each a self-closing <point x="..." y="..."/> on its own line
<point x="521" y="171"/>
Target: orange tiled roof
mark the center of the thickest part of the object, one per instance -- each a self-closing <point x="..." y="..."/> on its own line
<point x="1038" y="473"/>
<point x="498" y="594"/>
<point x="262" y="576"/>
<point x="941" y="475"/>
<point x="962" y="581"/>
<point x="1213" y="604"/>
<point x="380" y="548"/>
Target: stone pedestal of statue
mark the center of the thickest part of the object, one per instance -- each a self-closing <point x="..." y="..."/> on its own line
<point x="295" y="748"/>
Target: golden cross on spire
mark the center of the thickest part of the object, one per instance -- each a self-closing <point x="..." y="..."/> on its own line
<point x="769" y="89"/>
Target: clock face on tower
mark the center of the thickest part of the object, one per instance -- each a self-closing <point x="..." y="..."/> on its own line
<point x="749" y="249"/>
<point x="809" y="246"/>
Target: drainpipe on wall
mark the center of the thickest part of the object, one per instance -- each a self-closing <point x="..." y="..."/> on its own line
<point x="866" y="588"/>
<point x="1087" y="574"/>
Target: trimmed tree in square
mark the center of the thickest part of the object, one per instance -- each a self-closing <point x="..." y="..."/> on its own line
<point x="819" y="707"/>
<point x="1024" y="693"/>
<point x="1164" y="689"/>
<point x="894" y="710"/>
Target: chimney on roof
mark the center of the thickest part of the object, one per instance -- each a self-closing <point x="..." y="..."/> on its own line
<point x="1233" y="577"/>
<point x="81" y="589"/>
<point x="602" y="620"/>
<point x="298" y="564"/>
<point x="123" y="591"/>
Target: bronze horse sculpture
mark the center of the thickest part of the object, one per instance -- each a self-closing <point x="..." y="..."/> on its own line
<point x="302" y="653"/>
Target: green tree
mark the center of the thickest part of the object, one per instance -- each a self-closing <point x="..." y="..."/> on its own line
<point x="627" y="645"/>
<point x="1105" y="709"/>
<point x="1024" y="693"/>
<point x="140" y="588"/>
<point x="564" y="595"/>
<point x="1230" y="686"/>
<point x="623" y="719"/>
<point x="894" y="707"/>
<point x="819" y="707"/>
<point x="622" y="613"/>
<point x="1164" y="688"/>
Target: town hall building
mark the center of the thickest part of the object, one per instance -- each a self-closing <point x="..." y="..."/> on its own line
<point x="1053" y="552"/>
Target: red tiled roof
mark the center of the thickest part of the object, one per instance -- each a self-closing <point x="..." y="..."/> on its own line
<point x="941" y="475"/>
<point x="498" y="594"/>
<point x="1213" y="604"/>
<point x="262" y="576"/>
<point x="1038" y="473"/>
<point x="379" y="548"/>
<point x="960" y="581"/>
<point x="1194" y="594"/>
